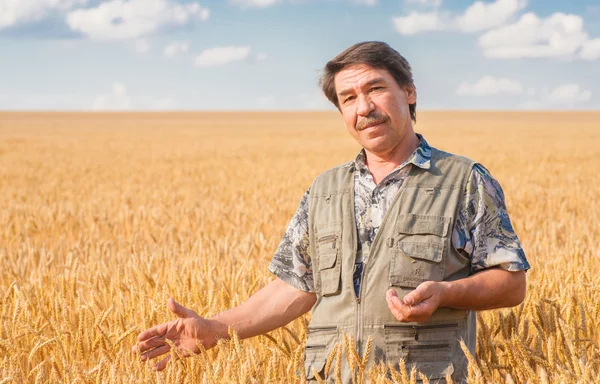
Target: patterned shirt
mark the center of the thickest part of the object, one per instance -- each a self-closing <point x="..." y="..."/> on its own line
<point x="482" y="231"/>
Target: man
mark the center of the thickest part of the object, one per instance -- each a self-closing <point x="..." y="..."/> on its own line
<point x="400" y="245"/>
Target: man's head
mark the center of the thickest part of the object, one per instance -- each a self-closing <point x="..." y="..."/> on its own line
<point x="375" y="54"/>
<point x="371" y="84"/>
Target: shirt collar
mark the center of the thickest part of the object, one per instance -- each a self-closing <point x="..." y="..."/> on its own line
<point x="421" y="156"/>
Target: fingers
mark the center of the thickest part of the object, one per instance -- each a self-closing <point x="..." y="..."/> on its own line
<point x="404" y="312"/>
<point x="146" y="345"/>
<point x="412" y="297"/>
<point x="158" y="330"/>
<point x="178" y="309"/>
<point x="161" y="364"/>
<point x="396" y="306"/>
<point x="421" y="293"/>
<point x="158" y="351"/>
<point x="419" y="312"/>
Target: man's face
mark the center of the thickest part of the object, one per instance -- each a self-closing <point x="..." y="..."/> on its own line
<point x="374" y="107"/>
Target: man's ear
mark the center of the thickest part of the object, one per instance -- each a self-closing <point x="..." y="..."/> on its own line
<point x="411" y="94"/>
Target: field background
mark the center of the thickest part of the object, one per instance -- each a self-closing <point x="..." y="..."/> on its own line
<point x="104" y="216"/>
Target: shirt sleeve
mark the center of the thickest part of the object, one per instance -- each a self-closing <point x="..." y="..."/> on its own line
<point x="483" y="231"/>
<point x="291" y="262"/>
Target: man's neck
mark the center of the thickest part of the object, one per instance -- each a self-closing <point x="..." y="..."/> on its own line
<point x="382" y="164"/>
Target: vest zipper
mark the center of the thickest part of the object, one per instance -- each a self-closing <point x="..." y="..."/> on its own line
<point x="358" y="325"/>
<point x="366" y="260"/>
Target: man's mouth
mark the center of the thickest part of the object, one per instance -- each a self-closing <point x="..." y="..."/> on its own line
<point x="373" y="125"/>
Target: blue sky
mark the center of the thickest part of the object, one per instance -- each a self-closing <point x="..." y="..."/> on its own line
<point x="266" y="54"/>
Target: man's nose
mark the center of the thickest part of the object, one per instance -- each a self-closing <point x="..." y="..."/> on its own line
<point x="364" y="105"/>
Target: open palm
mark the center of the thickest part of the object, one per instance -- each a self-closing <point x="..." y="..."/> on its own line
<point x="185" y="333"/>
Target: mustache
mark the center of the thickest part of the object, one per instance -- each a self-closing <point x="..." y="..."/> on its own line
<point x="373" y="119"/>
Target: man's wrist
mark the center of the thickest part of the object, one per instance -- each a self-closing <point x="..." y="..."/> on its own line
<point x="220" y="328"/>
<point x="445" y="292"/>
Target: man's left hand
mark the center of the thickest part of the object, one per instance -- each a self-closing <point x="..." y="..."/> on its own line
<point x="417" y="305"/>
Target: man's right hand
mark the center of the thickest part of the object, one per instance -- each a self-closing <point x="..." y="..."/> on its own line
<point x="184" y="332"/>
<point x="273" y="306"/>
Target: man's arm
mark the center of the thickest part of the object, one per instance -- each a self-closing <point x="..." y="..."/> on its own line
<point x="285" y="298"/>
<point x="279" y="302"/>
<point x="489" y="289"/>
<point x="484" y="233"/>
<point x="275" y="305"/>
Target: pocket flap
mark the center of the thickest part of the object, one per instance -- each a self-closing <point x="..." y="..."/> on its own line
<point x="319" y="343"/>
<point x="327" y="261"/>
<point x="315" y="362"/>
<point x="433" y="370"/>
<point x="424" y="251"/>
<point x="321" y="336"/>
<point x="423" y="225"/>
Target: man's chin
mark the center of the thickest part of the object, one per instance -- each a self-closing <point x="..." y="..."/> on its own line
<point x="376" y="145"/>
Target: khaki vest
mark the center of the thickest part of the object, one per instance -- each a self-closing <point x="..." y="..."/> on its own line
<point x="413" y="245"/>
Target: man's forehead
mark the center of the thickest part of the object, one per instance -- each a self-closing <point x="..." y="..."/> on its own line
<point x="359" y="74"/>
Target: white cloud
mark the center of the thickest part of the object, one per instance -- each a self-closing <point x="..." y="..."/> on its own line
<point x="427" y="3"/>
<point x="417" y="22"/>
<point x="14" y="12"/>
<point x="568" y="94"/>
<point x="115" y="100"/>
<point x="244" y="4"/>
<point x="489" y="85"/>
<point x="221" y="55"/>
<point x="559" y="35"/>
<point x="477" y="17"/>
<point x="481" y="16"/>
<point x="141" y="46"/>
<point x="590" y="50"/>
<point x="130" y="19"/>
<point x="176" y="48"/>
<point x="563" y="96"/>
<point x="254" y="3"/>
<point x="369" y="3"/>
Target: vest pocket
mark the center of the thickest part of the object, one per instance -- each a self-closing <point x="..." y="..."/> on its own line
<point x="429" y="348"/>
<point x="420" y="248"/>
<point x="329" y="263"/>
<point x="319" y="344"/>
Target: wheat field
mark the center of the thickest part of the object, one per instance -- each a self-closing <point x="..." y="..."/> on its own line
<point x="105" y="216"/>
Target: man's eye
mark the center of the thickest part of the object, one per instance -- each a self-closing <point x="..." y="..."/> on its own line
<point x="347" y="99"/>
<point x="376" y="89"/>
